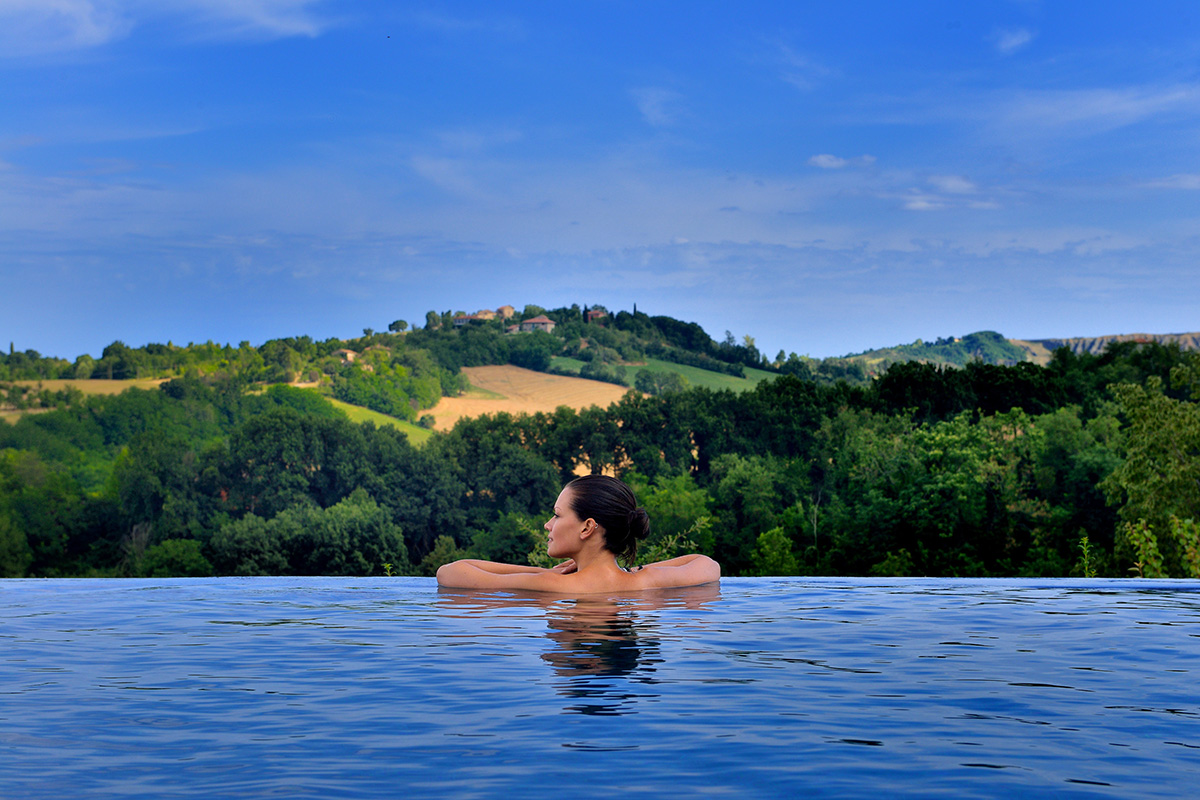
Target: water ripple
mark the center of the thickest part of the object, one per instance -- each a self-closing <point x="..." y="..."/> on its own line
<point x="820" y="687"/>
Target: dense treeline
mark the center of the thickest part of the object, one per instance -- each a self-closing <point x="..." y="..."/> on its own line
<point x="1090" y="465"/>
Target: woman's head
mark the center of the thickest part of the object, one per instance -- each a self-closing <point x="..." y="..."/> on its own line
<point x="614" y="508"/>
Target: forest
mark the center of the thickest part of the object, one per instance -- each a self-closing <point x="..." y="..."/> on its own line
<point x="1089" y="466"/>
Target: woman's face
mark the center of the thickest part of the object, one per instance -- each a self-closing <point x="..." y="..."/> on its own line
<point x="563" y="528"/>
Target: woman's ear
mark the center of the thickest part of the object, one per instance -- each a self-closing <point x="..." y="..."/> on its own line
<point x="589" y="527"/>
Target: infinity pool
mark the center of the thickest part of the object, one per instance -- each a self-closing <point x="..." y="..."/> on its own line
<point x="363" y="688"/>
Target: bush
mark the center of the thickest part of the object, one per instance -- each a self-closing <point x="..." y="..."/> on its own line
<point x="175" y="558"/>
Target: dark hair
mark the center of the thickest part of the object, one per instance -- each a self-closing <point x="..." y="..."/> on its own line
<point x="612" y="504"/>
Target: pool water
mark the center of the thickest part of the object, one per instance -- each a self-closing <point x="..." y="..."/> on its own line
<point x="796" y="687"/>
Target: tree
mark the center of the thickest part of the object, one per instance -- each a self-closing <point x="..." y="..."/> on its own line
<point x="174" y="558"/>
<point x="1160" y="476"/>
<point x="399" y="326"/>
<point x="773" y="554"/>
<point x="748" y="498"/>
<point x="657" y="382"/>
<point x="509" y="539"/>
<point x="443" y="552"/>
<point x="15" y="555"/>
<point x="354" y="537"/>
<point x="677" y="506"/>
<point x="534" y="350"/>
<point x="282" y="458"/>
<point x="419" y="488"/>
<point x="85" y="365"/>
<point x="248" y="546"/>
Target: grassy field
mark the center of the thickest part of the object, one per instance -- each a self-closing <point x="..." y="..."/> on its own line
<point x="99" y="386"/>
<point x="514" y="390"/>
<point x="695" y="376"/>
<point x="568" y="364"/>
<point x="416" y="434"/>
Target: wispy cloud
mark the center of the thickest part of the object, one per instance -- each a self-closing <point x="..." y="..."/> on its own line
<point x="1008" y="42"/>
<point x="1094" y="110"/>
<point x="1181" y="181"/>
<point x="916" y="201"/>
<point x="798" y="69"/>
<point x="40" y="27"/>
<point x="946" y="192"/>
<point x="505" y="26"/>
<point x="953" y="184"/>
<point x="828" y="161"/>
<point x="250" y="18"/>
<point x="659" y="107"/>
<point x="44" y="27"/>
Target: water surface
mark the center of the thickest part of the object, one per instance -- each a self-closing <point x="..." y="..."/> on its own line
<point x="315" y="688"/>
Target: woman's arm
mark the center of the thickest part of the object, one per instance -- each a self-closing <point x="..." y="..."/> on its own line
<point x="689" y="570"/>
<point x="496" y="567"/>
<point x="679" y="561"/>
<point x="476" y="574"/>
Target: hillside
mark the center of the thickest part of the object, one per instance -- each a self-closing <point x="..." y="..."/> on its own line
<point x="516" y="390"/>
<point x="993" y="348"/>
<point x="1039" y="350"/>
<point x="423" y="377"/>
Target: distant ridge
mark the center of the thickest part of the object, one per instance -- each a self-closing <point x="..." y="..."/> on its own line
<point x="1040" y="350"/>
<point x="990" y="347"/>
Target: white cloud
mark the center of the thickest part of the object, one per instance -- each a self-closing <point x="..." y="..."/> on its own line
<point x="952" y="184"/>
<point x="252" y="18"/>
<point x="794" y="67"/>
<point x="948" y="192"/>
<point x="1010" y="41"/>
<point x="42" y="27"/>
<point x="504" y="26"/>
<point x="828" y="161"/>
<point x="922" y="202"/>
<point x="659" y="107"/>
<point x="1181" y="181"/>
<point x="1094" y="110"/>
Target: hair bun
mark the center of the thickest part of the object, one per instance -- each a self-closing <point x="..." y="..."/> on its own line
<point x="639" y="523"/>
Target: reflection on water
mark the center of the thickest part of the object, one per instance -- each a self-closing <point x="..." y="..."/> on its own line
<point x="603" y="655"/>
<point x="604" y="650"/>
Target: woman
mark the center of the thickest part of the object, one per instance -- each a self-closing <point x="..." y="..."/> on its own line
<point x="596" y="520"/>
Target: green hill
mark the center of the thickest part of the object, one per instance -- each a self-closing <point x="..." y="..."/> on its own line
<point x="986" y="346"/>
<point x="693" y="376"/>
<point x="990" y="347"/>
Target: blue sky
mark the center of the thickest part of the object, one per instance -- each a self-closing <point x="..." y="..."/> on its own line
<point x="826" y="178"/>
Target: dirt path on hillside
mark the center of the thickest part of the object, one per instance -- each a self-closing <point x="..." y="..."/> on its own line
<point x="523" y="392"/>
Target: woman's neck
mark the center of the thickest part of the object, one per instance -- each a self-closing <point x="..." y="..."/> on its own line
<point x="597" y="560"/>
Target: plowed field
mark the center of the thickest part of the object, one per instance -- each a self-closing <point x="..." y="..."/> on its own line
<point x="522" y="391"/>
